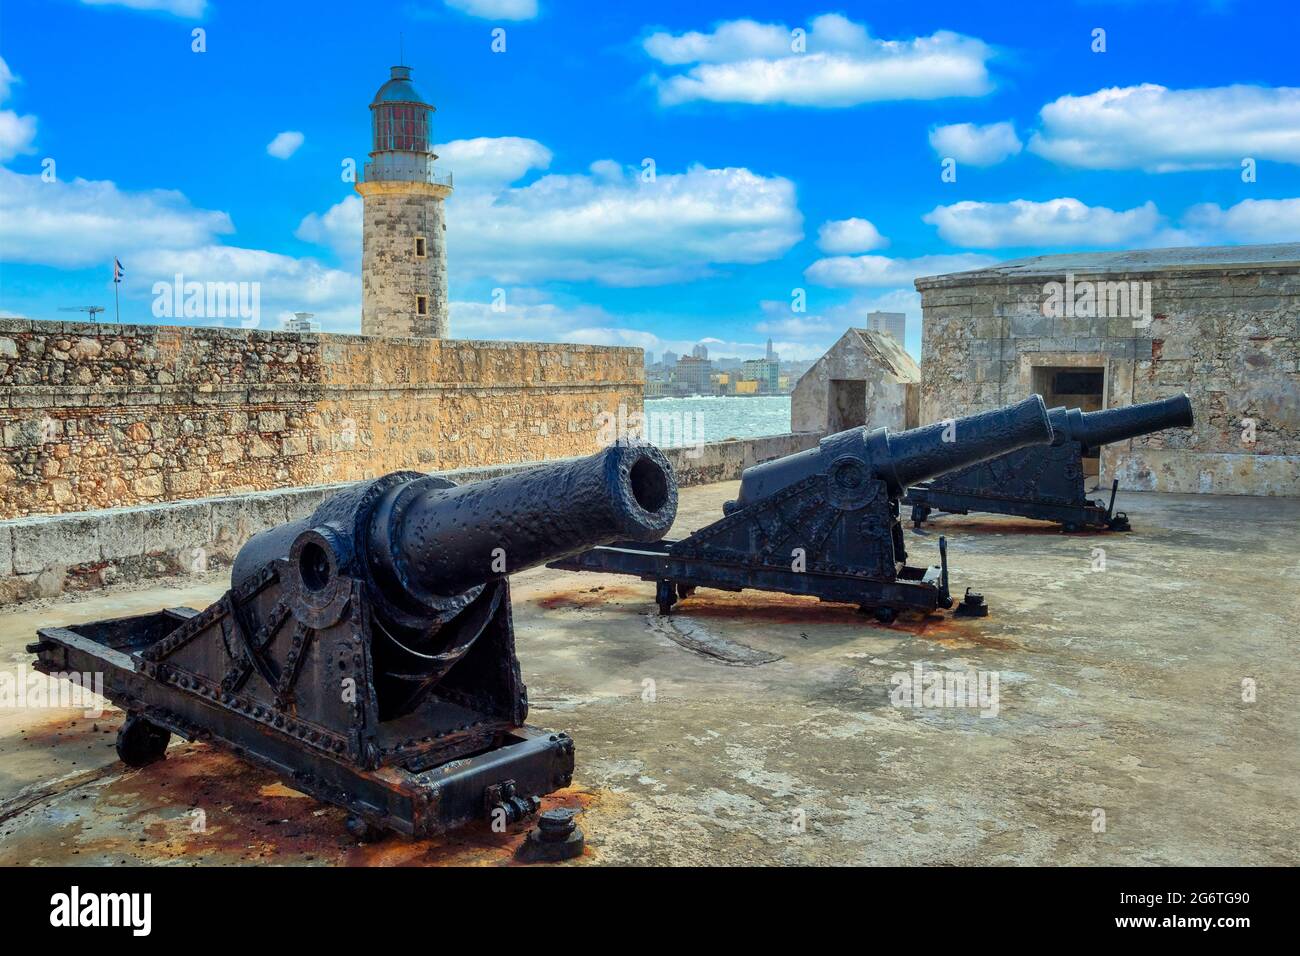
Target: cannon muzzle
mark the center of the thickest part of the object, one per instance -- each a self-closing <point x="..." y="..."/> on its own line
<point x="426" y="546"/>
<point x="903" y="458"/>
<point x="430" y="539"/>
<point x="1094" y="429"/>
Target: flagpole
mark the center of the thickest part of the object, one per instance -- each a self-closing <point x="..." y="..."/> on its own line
<point x="117" y="305"/>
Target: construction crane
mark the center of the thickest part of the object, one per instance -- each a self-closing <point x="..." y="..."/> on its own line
<point x="93" y="310"/>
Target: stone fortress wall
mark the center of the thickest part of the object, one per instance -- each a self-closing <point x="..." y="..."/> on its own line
<point x="99" y="416"/>
<point x="1225" y="329"/>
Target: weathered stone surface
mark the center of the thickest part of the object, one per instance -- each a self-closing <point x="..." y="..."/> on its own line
<point x="181" y="530"/>
<point x="234" y="520"/>
<point x="39" y="544"/>
<point x="121" y="533"/>
<point x="244" y="410"/>
<point x="725" y="460"/>
<point x="394" y="277"/>
<point x="1225" y="328"/>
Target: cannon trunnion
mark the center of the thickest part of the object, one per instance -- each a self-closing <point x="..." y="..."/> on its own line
<point x="366" y="654"/>
<point x="824" y="522"/>
<point x="1047" y="481"/>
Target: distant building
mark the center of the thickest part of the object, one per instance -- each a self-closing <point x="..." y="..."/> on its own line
<point x="301" y="323"/>
<point x="691" y="376"/>
<point x="700" y="352"/>
<point x="771" y="355"/>
<point x="669" y="359"/>
<point x="863" y="379"/>
<point x="765" y="371"/>
<point x="895" y="323"/>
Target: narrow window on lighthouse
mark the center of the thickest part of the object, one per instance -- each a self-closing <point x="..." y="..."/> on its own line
<point x="419" y="247"/>
<point x="421" y="305"/>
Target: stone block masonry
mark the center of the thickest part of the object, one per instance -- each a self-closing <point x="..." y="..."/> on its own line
<point x="104" y="416"/>
<point x="1225" y="329"/>
<point x="398" y="277"/>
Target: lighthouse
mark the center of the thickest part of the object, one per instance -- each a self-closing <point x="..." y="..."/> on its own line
<point x="403" y="237"/>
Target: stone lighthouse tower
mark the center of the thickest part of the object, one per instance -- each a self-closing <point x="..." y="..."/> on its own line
<point x="403" y="239"/>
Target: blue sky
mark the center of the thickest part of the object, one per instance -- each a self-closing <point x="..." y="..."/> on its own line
<point x="782" y="161"/>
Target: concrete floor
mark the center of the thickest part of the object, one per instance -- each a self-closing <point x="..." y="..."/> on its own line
<point x="1119" y="691"/>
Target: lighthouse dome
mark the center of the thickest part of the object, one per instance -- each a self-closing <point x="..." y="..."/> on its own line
<point x="400" y="117"/>
<point x="398" y="89"/>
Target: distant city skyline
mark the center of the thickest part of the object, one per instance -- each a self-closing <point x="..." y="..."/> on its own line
<point x="758" y="169"/>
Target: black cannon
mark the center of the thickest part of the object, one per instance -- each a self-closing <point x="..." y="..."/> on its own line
<point x="367" y="653"/>
<point x="1047" y="481"/>
<point x="824" y="521"/>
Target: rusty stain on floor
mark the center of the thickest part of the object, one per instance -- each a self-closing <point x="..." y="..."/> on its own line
<point x="203" y="805"/>
<point x="764" y="607"/>
<point x="592" y="597"/>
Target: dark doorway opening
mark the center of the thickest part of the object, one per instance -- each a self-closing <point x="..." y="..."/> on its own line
<point x="1074" y="387"/>
<point x="847" y="407"/>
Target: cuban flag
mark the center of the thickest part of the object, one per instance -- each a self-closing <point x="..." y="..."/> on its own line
<point x="118" y="271"/>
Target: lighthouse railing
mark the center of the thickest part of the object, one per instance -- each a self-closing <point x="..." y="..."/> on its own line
<point x="406" y="169"/>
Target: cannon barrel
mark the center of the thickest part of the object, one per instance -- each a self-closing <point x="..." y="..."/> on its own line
<point x="1094" y="429"/>
<point x="431" y="539"/>
<point x="921" y="453"/>
<point x="426" y="546"/>
<point x="903" y="458"/>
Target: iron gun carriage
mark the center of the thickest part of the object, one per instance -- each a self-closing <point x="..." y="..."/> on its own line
<point x="366" y="653"/>
<point x="1047" y="481"/>
<point x="824" y="521"/>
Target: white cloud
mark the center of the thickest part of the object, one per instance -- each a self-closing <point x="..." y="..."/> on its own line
<point x="612" y="227"/>
<point x="607" y="226"/>
<point x="189" y="9"/>
<point x="976" y="145"/>
<point x="492" y="160"/>
<point x="496" y="9"/>
<point x="524" y="315"/>
<point x="286" y="284"/>
<point x="819" y="328"/>
<point x="529" y="316"/>
<point x="158" y="233"/>
<point x="794" y="326"/>
<point x="7" y="80"/>
<point x="1056" y="222"/>
<point x="285" y="144"/>
<point x="839" y="236"/>
<point x="16" y="132"/>
<point x="743" y="61"/>
<point x="1251" y="220"/>
<point x="82" y="222"/>
<point x="339" y="228"/>
<point x="882" y="271"/>
<point x="730" y="41"/>
<point x="1161" y="130"/>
